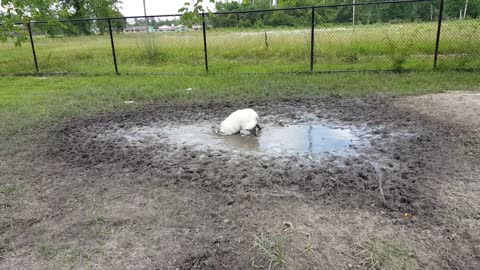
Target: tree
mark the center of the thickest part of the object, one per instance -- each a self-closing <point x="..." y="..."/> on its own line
<point x="18" y="12"/>
<point x="81" y="9"/>
<point x="22" y="11"/>
<point x="191" y="12"/>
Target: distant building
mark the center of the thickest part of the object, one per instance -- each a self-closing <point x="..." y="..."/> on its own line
<point x="137" y="29"/>
<point x="166" y="28"/>
<point x="181" y="28"/>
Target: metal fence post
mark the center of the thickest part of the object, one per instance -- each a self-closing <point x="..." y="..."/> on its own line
<point x="33" y="46"/>
<point x="437" y="44"/>
<point x="312" y="40"/>
<point x="205" y="51"/>
<point x="113" y="45"/>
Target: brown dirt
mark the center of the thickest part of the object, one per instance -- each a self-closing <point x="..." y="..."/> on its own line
<point x="457" y="108"/>
<point x="80" y="200"/>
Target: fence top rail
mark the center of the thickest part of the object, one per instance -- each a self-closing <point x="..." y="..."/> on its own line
<point x="240" y="11"/>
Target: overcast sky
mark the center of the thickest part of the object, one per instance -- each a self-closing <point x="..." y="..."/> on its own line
<point x="154" y="7"/>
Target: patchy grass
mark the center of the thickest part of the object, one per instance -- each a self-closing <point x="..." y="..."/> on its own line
<point x="103" y="227"/>
<point x="472" y="145"/>
<point x="12" y="197"/>
<point x="60" y="256"/>
<point x="45" y="250"/>
<point x="9" y="193"/>
<point x="270" y="251"/>
<point x="377" y="254"/>
<point x="9" y="190"/>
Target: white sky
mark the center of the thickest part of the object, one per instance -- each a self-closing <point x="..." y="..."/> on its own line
<point x="154" y="7"/>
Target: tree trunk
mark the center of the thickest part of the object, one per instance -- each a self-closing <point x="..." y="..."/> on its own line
<point x="431" y="12"/>
<point x="465" y="10"/>
<point x="353" y="13"/>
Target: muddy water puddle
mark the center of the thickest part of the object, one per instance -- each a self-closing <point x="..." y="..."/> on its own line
<point x="272" y="140"/>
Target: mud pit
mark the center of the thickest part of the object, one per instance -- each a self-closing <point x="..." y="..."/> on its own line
<point x="367" y="169"/>
<point x="186" y="201"/>
<point x="130" y="143"/>
<point x="275" y="140"/>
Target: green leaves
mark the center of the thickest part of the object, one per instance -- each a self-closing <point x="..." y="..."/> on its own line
<point x="18" y="11"/>
<point x="24" y="11"/>
<point x="193" y="14"/>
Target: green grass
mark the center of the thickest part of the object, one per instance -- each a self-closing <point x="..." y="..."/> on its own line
<point x="378" y="46"/>
<point x="60" y="256"/>
<point x="472" y="145"/>
<point x="27" y="103"/>
<point x="270" y="250"/>
<point x="45" y="250"/>
<point x="380" y="254"/>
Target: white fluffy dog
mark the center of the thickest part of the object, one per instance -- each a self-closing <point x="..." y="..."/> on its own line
<point x="246" y="119"/>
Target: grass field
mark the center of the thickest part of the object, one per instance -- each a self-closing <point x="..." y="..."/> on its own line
<point x="362" y="47"/>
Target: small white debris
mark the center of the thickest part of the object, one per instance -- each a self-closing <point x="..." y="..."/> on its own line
<point x="189" y="89"/>
<point x="129" y="102"/>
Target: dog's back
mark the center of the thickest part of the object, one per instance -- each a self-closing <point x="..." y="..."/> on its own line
<point x="238" y="120"/>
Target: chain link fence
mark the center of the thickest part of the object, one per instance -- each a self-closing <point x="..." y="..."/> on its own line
<point x="167" y="49"/>
<point x="239" y="44"/>
<point x="370" y="41"/>
<point x="73" y="47"/>
<point x="305" y="39"/>
<point x="460" y="44"/>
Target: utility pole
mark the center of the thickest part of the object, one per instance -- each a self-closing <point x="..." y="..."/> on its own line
<point x="465" y="10"/>
<point x="145" y="14"/>
<point x="353" y="15"/>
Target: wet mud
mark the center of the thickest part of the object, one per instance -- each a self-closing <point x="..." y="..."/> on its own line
<point x="385" y="160"/>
